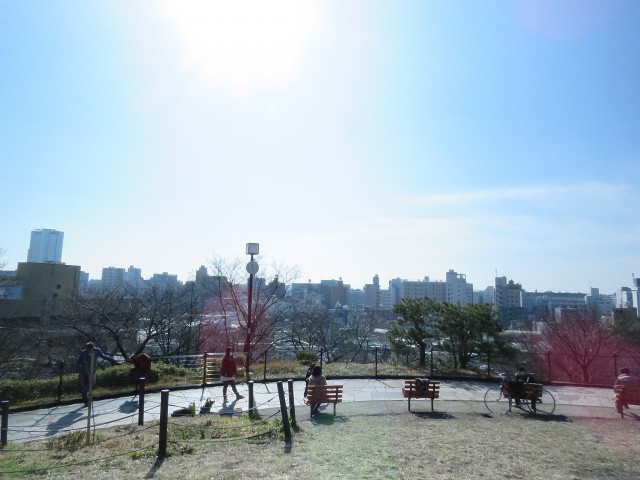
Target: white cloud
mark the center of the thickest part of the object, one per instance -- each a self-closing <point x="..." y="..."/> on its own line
<point x="592" y="190"/>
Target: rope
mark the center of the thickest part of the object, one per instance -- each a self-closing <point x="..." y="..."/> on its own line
<point x="222" y="440"/>
<point x="85" y="462"/>
<point x="236" y="427"/>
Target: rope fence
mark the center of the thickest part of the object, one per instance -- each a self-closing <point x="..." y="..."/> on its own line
<point x="71" y="439"/>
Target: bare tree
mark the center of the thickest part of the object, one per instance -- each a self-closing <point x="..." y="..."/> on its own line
<point x="577" y="345"/>
<point x="229" y="307"/>
<point x="130" y="320"/>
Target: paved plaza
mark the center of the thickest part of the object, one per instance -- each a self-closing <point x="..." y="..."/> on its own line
<point x="360" y="395"/>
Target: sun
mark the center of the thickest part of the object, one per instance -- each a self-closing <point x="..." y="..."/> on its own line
<point x="243" y="44"/>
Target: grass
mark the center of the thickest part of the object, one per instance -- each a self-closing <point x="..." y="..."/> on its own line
<point x="358" y="444"/>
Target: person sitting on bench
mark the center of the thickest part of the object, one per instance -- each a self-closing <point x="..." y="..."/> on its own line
<point x="316" y="378"/>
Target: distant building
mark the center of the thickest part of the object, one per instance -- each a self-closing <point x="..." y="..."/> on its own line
<point x="42" y="288"/>
<point x="133" y="277"/>
<point x="600" y="304"/>
<point x="459" y="292"/>
<point x="486" y="296"/>
<point x="372" y="293"/>
<point x="45" y="246"/>
<point x="328" y="293"/>
<point x="424" y="289"/>
<point x="629" y="298"/>
<point x="508" y="303"/>
<point x="164" y="281"/>
<point x="454" y="289"/>
<point x="112" y="279"/>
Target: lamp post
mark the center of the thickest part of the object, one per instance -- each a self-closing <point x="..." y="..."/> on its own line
<point x="252" y="269"/>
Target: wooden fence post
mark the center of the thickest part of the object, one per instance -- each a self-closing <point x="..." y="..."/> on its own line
<point x="252" y="400"/>
<point x="141" y="386"/>
<point x="204" y="369"/>
<point x="5" y="422"/>
<point x="292" y="407"/>
<point x="60" y="382"/>
<point x="264" y="371"/>
<point x="285" y="416"/>
<point x="376" y="362"/>
<point x="431" y="363"/>
<point x="164" y="414"/>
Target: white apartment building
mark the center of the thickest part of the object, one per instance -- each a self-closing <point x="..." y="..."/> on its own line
<point x="45" y="246"/>
<point x="133" y="277"/>
<point x="459" y="292"/>
<point x="112" y="278"/>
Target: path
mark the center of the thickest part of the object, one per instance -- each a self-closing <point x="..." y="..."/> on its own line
<point x="383" y="396"/>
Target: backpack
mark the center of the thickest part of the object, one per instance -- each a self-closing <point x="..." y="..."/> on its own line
<point x="422" y="385"/>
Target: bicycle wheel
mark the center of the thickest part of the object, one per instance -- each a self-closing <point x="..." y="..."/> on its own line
<point x="495" y="401"/>
<point x="545" y="405"/>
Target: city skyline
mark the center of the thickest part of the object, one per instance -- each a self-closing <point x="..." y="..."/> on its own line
<point x="35" y="237"/>
<point x="348" y="139"/>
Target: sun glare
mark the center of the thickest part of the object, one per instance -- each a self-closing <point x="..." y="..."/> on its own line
<point x="244" y="44"/>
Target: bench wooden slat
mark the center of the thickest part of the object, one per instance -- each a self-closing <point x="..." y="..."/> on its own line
<point x="627" y="394"/>
<point x="410" y="391"/>
<point x="324" y="394"/>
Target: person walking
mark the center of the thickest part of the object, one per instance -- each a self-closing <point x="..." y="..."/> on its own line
<point x="625" y="378"/>
<point x="87" y="368"/>
<point x="228" y="371"/>
<point x="141" y="368"/>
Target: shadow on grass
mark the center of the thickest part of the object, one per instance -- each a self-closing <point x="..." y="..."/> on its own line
<point x="545" y="417"/>
<point x="155" y="468"/>
<point x="532" y="417"/>
<point x="328" y="419"/>
<point x="433" y="415"/>
<point x="632" y="415"/>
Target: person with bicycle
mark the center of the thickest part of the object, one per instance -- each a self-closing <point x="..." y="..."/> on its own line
<point x="518" y="388"/>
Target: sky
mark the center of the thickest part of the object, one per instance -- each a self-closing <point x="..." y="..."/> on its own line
<point x="348" y="139"/>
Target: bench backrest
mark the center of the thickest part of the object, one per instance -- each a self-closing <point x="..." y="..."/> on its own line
<point x="324" y="393"/>
<point x="533" y="390"/>
<point x="432" y="389"/>
<point x="627" y="390"/>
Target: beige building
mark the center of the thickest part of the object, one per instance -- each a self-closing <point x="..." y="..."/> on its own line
<point x="43" y="287"/>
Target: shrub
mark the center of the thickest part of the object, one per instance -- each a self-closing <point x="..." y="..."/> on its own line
<point x="306" y="357"/>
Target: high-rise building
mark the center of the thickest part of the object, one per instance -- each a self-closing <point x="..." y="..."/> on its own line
<point x="112" y="278"/>
<point x="459" y="292"/>
<point x="45" y="246"/>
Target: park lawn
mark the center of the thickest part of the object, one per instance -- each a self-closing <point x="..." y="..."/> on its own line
<point x="369" y="446"/>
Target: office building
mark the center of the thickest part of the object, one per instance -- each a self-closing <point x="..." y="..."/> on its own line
<point x="45" y="246"/>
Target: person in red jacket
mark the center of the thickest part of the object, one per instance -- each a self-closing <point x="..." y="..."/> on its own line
<point x="228" y="374"/>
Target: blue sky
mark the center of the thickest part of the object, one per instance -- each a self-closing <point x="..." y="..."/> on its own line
<point x="349" y="139"/>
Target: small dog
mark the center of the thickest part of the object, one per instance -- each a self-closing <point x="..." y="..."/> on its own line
<point x="206" y="408"/>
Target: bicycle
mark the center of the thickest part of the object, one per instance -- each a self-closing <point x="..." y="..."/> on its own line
<point x="530" y="396"/>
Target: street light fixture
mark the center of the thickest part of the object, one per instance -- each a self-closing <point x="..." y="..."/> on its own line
<point x="252" y="269"/>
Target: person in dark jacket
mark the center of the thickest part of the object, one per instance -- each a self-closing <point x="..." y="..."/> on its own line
<point x="87" y="368"/>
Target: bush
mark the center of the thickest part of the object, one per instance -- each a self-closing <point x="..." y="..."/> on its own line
<point x="306" y="357"/>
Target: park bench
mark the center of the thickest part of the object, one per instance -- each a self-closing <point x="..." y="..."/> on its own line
<point x="529" y="394"/>
<point x="410" y="391"/>
<point x="324" y="394"/>
<point x="626" y="395"/>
